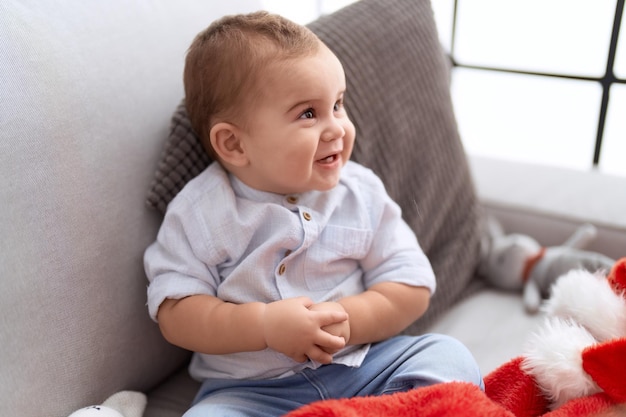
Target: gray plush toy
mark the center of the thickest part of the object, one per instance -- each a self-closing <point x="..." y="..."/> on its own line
<point x="519" y="263"/>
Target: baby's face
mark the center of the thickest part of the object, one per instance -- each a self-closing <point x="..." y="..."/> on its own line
<point x="297" y="135"/>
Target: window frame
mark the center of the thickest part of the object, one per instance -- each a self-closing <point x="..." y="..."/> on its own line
<point x="606" y="81"/>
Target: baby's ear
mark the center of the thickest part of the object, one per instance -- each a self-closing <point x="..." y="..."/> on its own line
<point x="225" y="140"/>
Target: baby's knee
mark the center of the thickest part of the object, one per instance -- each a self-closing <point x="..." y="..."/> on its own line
<point x="210" y="408"/>
<point x="457" y="360"/>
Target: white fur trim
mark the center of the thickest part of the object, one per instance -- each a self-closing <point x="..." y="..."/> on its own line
<point x="554" y="358"/>
<point x="589" y="300"/>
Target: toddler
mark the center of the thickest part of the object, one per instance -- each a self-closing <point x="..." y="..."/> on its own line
<point x="285" y="266"/>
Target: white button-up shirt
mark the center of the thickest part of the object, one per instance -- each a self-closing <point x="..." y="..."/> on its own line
<point x="222" y="238"/>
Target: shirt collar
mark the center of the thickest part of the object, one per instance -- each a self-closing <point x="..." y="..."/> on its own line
<point x="244" y="191"/>
<point x="310" y="198"/>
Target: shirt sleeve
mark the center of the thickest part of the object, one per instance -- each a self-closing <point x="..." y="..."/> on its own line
<point x="173" y="262"/>
<point x="395" y="254"/>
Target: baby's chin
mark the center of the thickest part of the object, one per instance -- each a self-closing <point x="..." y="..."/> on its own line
<point x="327" y="187"/>
<point x="320" y="185"/>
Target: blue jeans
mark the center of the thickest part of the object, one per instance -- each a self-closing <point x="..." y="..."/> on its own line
<point x="397" y="364"/>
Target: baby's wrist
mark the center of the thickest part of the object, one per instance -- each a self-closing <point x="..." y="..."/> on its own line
<point x="253" y="321"/>
<point x="261" y="325"/>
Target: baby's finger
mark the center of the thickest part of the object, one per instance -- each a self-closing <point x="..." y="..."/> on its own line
<point x="329" y="342"/>
<point x="326" y="318"/>
<point x="318" y="355"/>
<point x="306" y="301"/>
<point x="329" y="351"/>
<point x="300" y="358"/>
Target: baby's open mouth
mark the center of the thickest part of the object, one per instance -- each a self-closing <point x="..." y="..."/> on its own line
<point x="328" y="160"/>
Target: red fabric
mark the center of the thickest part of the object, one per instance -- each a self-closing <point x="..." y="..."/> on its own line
<point x="606" y="364"/>
<point x="451" y="399"/>
<point x="617" y="276"/>
<point x="509" y="392"/>
<point x="598" y="405"/>
<point x="515" y="390"/>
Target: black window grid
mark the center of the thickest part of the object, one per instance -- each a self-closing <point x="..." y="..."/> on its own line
<point x="606" y="81"/>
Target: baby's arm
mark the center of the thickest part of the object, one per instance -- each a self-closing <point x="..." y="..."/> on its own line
<point x="206" y="324"/>
<point x="384" y="310"/>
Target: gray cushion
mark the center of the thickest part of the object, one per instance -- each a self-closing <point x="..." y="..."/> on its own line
<point x="183" y="158"/>
<point x="398" y="98"/>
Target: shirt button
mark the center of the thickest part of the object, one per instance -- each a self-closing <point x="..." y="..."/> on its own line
<point x="292" y="199"/>
<point x="307" y="216"/>
<point x="287" y="253"/>
<point x="281" y="269"/>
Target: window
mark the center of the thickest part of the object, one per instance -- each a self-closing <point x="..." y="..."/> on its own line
<point x="539" y="81"/>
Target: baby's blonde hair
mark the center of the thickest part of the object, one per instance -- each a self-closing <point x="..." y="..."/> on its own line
<point x="224" y="62"/>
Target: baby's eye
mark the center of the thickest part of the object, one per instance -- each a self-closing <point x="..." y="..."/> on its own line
<point x="308" y="114"/>
<point x="338" y="105"/>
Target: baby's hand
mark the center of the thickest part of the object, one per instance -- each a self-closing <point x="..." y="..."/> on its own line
<point x="341" y="329"/>
<point x="291" y="328"/>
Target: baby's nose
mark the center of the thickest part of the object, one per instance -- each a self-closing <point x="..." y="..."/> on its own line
<point x="334" y="130"/>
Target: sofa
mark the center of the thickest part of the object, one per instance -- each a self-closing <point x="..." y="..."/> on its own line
<point x="91" y="154"/>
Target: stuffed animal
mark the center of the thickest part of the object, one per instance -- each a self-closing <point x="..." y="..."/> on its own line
<point x="121" y="404"/>
<point x="518" y="262"/>
<point x="581" y="348"/>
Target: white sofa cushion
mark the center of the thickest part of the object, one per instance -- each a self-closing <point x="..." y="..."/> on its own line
<point x="492" y="324"/>
<point x="86" y="91"/>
